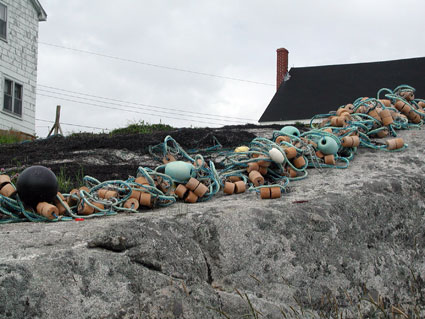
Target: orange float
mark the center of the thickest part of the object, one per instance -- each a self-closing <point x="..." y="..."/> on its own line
<point x="394" y="143"/>
<point x="131" y="203"/>
<point x="191" y="197"/>
<point x="229" y="188"/>
<point x="386" y="117"/>
<point x="299" y="162"/>
<point x="256" y="178"/>
<point x="47" y="210"/>
<point x="240" y="187"/>
<point x="350" y="141"/>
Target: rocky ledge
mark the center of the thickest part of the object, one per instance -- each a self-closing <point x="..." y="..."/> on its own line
<point x="336" y="243"/>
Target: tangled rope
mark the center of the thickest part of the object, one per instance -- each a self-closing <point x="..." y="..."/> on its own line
<point x="265" y="166"/>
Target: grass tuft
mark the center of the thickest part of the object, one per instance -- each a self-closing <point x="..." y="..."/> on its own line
<point x="9" y="139"/>
<point x="141" y="128"/>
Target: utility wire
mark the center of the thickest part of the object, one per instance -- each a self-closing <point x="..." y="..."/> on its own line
<point x="153" y="65"/>
<point x="97" y="128"/>
<point x="141" y="104"/>
<point x="135" y="107"/>
<point x="130" y="111"/>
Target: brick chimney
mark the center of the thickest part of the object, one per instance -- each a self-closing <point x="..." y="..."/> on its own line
<point x="282" y="66"/>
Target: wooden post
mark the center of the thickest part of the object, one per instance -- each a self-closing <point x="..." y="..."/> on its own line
<point x="56" y="127"/>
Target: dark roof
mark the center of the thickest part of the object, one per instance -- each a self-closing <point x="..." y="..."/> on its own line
<point x="320" y="89"/>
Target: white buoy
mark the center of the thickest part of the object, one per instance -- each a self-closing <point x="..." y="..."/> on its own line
<point x="276" y="155"/>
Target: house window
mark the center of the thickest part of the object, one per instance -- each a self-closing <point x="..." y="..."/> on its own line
<point x="3" y="21"/>
<point x="13" y="97"/>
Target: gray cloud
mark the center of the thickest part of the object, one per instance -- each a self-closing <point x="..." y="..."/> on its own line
<point x="230" y="38"/>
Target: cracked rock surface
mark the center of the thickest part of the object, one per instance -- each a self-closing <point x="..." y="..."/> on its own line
<point x="338" y="232"/>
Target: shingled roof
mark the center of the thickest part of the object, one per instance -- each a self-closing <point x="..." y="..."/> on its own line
<point x="320" y="89"/>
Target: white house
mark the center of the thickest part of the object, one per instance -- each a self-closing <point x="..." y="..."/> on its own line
<point x="18" y="63"/>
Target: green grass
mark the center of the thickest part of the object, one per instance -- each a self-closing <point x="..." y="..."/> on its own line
<point x="8" y="139"/>
<point x="67" y="182"/>
<point x="141" y="128"/>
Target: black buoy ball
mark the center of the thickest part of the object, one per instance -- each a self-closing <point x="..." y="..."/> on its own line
<point x="37" y="184"/>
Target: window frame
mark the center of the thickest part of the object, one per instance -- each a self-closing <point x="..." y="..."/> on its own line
<point x="13" y="97"/>
<point x="5" y="21"/>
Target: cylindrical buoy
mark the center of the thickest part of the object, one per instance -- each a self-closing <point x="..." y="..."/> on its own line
<point x="382" y="133"/>
<point x="319" y="154"/>
<point x="407" y="95"/>
<point x="299" y="162"/>
<point x="275" y="192"/>
<point x="141" y="180"/>
<point x="330" y="159"/>
<point x="37" y="184"/>
<point x="167" y="159"/>
<point x="265" y="192"/>
<point x="145" y="199"/>
<point x="132" y="203"/>
<point x="181" y="191"/>
<point x="394" y="143"/>
<point x="234" y="179"/>
<point x="256" y="178"/>
<point x="201" y="190"/>
<point x="252" y="167"/>
<point x="281" y="139"/>
<point x="349" y="107"/>
<point x="4" y="179"/>
<point x="350" y="141"/>
<point x="386" y="102"/>
<point x="240" y="187"/>
<point x="47" y="210"/>
<point x="292" y="173"/>
<point x="414" y="117"/>
<point x="7" y="190"/>
<point x="191" y="197"/>
<point x="291" y="152"/>
<point x="386" y="117"/>
<point x="135" y="193"/>
<point x="84" y="188"/>
<point x="402" y="107"/>
<point x="73" y="195"/>
<point x="62" y="208"/>
<point x="340" y="111"/>
<point x="263" y="170"/>
<point x="374" y="113"/>
<point x="338" y="121"/>
<point x="192" y="183"/>
<point x="361" y="109"/>
<point x="346" y="116"/>
<point x="229" y="188"/>
<point x="86" y="209"/>
<point x="107" y="194"/>
<point x="264" y="163"/>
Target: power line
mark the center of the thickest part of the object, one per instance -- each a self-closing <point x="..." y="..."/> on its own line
<point x="154" y="65"/>
<point x="141" y="104"/>
<point x="135" y="107"/>
<point x="130" y="111"/>
<point x="93" y="127"/>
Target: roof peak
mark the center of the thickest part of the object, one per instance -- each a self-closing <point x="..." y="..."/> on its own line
<point x="42" y="15"/>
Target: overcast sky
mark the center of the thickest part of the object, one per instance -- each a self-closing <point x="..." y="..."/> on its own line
<point x="230" y="38"/>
